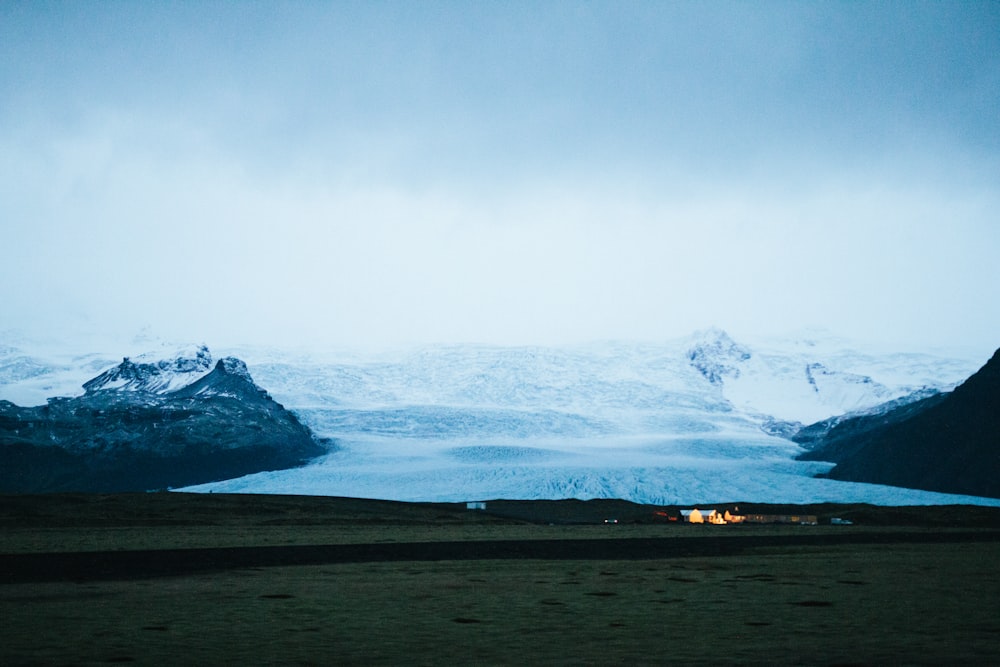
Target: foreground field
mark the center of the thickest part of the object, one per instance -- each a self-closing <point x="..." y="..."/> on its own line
<point x="909" y="599"/>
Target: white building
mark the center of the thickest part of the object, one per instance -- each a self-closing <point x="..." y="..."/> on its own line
<point x="701" y="516"/>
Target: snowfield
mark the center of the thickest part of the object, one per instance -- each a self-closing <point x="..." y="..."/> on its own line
<point x="672" y="423"/>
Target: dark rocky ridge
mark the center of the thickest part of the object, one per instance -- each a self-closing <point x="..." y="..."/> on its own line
<point x="152" y="377"/>
<point x="136" y="438"/>
<point x="945" y="442"/>
<point x="718" y="356"/>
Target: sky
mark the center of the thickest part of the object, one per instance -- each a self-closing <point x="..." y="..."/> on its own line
<point x="379" y="173"/>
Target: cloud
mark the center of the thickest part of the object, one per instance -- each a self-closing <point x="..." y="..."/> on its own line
<point x="189" y="241"/>
<point x="534" y="175"/>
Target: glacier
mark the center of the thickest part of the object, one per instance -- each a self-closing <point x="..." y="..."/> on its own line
<point x="674" y="422"/>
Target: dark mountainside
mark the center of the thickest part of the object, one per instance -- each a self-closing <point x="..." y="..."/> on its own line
<point x="132" y="431"/>
<point x="946" y="442"/>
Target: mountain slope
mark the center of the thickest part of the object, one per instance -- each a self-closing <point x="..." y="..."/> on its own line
<point x="806" y="380"/>
<point x="623" y="420"/>
<point x="133" y="431"/>
<point x="678" y="421"/>
<point x="159" y="376"/>
<point x="947" y="442"/>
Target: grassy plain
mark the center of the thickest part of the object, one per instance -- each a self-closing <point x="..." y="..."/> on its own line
<point x="899" y="603"/>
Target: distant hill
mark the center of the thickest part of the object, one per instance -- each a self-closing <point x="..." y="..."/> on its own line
<point x="145" y="426"/>
<point x="945" y="442"/>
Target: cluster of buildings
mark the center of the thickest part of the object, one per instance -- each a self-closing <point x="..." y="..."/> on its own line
<point x="696" y="515"/>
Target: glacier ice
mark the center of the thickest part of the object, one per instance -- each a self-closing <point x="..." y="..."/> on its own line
<point x="645" y="423"/>
<point x="675" y="422"/>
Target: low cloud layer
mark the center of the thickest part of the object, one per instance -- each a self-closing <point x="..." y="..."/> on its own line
<point x="377" y="175"/>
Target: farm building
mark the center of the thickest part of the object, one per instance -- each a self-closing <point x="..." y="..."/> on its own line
<point x="696" y="515"/>
<point x="475" y="506"/>
<point x="701" y="516"/>
<point x="692" y="516"/>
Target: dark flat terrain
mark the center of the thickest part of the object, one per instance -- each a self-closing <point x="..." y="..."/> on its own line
<point x="109" y="565"/>
<point x="192" y="509"/>
<point x="348" y="530"/>
<point x="208" y="579"/>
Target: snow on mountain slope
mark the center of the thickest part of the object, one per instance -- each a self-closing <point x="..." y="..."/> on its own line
<point x="33" y="371"/>
<point x="28" y="378"/>
<point x="673" y="422"/>
<point x="472" y="389"/>
<point x="132" y="431"/>
<point x="159" y="376"/>
<point x="812" y="378"/>
<point x="649" y="423"/>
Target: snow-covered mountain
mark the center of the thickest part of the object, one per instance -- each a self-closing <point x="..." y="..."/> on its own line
<point x="680" y="421"/>
<point x="809" y="379"/>
<point x="154" y="375"/>
<point x="945" y="442"/>
<point x="32" y="371"/>
<point x="142" y="426"/>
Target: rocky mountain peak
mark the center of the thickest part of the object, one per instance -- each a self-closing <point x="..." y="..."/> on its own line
<point x="234" y="366"/>
<point x="716" y="355"/>
<point x="154" y="376"/>
<point x="984" y="383"/>
<point x="230" y="377"/>
<point x="150" y="425"/>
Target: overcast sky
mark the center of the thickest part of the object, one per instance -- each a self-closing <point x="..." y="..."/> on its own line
<point x="522" y="172"/>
